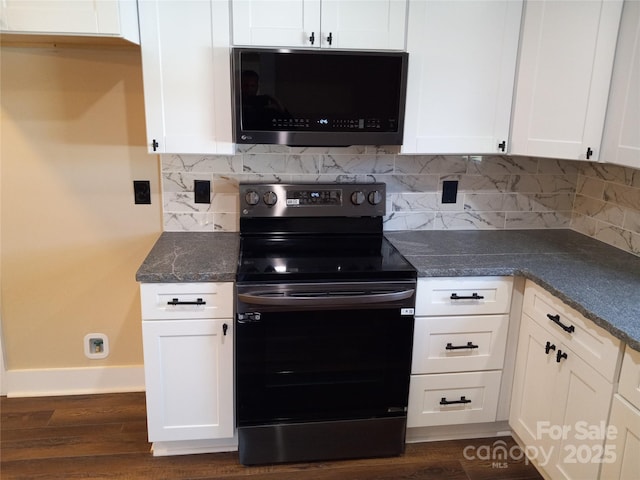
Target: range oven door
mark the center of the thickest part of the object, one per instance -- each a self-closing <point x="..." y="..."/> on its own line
<point x="323" y="354"/>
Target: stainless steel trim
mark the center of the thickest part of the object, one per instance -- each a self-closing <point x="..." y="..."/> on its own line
<point x="333" y="299"/>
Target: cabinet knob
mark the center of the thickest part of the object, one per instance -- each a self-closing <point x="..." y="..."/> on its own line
<point x="589" y="153"/>
<point x="225" y="327"/>
<point x="560" y="355"/>
<point x="502" y="146"/>
<point x="330" y="38"/>
<point x="312" y="38"/>
<point x="154" y="144"/>
<point x="549" y="346"/>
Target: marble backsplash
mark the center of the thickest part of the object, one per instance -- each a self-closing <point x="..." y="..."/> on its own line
<point x="494" y="192"/>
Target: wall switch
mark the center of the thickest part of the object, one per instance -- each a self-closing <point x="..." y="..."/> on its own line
<point x="141" y="191"/>
<point x="450" y="191"/>
<point x="202" y="191"/>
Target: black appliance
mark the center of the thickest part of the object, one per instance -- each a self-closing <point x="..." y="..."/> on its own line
<point x="324" y="325"/>
<point x="319" y="97"/>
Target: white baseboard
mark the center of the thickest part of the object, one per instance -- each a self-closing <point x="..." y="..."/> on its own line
<point x="190" y="447"/>
<point x="74" y="381"/>
<point x="457" y="432"/>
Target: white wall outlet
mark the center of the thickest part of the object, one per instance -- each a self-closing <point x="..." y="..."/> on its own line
<point x="96" y="345"/>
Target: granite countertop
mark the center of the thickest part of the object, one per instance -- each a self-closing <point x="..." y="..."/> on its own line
<point x="599" y="281"/>
<point x="191" y="257"/>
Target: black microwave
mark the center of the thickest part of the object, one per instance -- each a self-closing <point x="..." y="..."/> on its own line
<point x="318" y="97"/>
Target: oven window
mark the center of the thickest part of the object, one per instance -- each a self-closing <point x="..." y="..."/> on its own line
<point x="323" y="365"/>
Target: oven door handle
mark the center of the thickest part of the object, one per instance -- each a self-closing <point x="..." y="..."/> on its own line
<point x="337" y="300"/>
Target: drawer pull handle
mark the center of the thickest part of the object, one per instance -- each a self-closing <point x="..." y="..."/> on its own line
<point x="463" y="399"/>
<point x="475" y="296"/>
<point x="549" y="346"/>
<point x="560" y="355"/>
<point x="460" y="347"/>
<point x="556" y="319"/>
<point x="175" y="301"/>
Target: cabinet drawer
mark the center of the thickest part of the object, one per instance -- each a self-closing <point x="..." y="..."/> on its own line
<point x="186" y="300"/>
<point x="429" y="397"/>
<point x="463" y="295"/>
<point x="586" y="339"/>
<point x="437" y="343"/>
<point x="629" y="386"/>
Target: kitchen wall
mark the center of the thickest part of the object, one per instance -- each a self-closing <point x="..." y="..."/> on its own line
<point x="71" y="239"/>
<point x="494" y="192"/>
<point x="73" y="141"/>
<point x="607" y="205"/>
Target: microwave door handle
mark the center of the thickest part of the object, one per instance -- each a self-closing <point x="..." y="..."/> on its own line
<point x="337" y="300"/>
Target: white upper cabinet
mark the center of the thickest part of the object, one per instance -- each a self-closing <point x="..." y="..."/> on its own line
<point x="462" y="60"/>
<point x="105" y="18"/>
<point x="621" y="141"/>
<point x="361" y="24"/>
<point x="187" y="76"/>
<point x="566" y="59"/>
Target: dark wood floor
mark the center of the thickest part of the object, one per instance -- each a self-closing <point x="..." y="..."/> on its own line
<point x="105" y="437"/>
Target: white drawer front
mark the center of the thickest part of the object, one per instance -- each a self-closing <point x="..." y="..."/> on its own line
<point x="186" y="300"/>
<point x="429" y="393"/>
<point x="629" y="386"/>
<point x="437" y="342"/>
<point x="463" y="295"/>
<point x="592" y="343"/>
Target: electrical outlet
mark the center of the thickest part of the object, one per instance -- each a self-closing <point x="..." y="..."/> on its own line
<point x="450" y="191"/>
<point x="142" y="191"/>
<point x="202" y="191"/>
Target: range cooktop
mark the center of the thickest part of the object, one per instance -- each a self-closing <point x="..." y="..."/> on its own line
<point x="316" y="232"/>
<point x="321" y="258"/>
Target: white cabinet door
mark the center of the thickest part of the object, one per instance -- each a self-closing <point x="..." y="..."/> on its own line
<point x="556" y="400"/>
<point x="564" y="72"/>
<point x="620" y="459"/>
<point x="274" y="23"/>
<point x="581" y="402"/>
<point x="462" y="59"/>
<point x="187" y="76"/>
<point x="116" y="18"/>
<point x="189" y="379"/>
<point x="532" y="399"/>
<point x="364" y="24"/>
<point x="621" y="141"/>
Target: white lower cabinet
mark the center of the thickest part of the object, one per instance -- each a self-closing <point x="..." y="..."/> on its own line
<point x="188" y="362"/>
<point x="459" y="349"/>
<point x="453" y="398"/>
<point x="560" y="401"/>
<point x="623" y="441"/>
<point x="189" y="379"/>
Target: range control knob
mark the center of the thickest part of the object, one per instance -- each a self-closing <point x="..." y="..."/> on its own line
<point x="252" y="197"/>
<point x="357" y="198"/>
<point x="375" y="197"/>
<point x="270" y="198"/>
